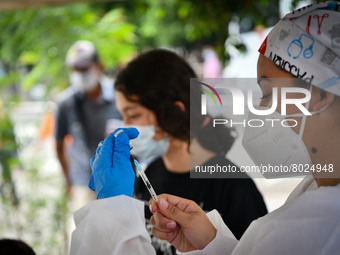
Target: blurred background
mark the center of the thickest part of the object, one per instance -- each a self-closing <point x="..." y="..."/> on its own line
<point x="35" y="36"/>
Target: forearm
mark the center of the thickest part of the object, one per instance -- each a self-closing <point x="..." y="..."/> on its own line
<point x="60" y="149"/>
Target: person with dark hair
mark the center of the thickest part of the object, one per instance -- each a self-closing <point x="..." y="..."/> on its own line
<point x="153" y="95"/>
<point x="14" y="247"/>
<point x="83" y="112"/>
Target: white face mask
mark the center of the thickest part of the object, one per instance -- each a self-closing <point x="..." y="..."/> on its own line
<point x="84" y="81"/>
<point x="144" y="146"/>
<point x="278" y="145"/>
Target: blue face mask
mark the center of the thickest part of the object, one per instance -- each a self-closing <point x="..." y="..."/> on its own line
<point x="144" y="146"/>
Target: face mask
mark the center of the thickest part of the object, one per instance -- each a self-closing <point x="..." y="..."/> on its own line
<point x="84" y="81"/>
<point x="278" y="145"/>
<point x="144" y="146"/>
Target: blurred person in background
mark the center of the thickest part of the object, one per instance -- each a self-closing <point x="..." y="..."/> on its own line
<point x="212" y="67"/>
<point x="82" y="115"/>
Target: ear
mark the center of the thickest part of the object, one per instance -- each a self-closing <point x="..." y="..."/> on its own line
<point x="99" y="67"/>
<point x="205" y="121"/>
<point x="324" y="98"/>
<point x="180" y="105"/>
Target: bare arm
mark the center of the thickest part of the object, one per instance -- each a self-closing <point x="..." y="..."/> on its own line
<point x="60" y="148"/>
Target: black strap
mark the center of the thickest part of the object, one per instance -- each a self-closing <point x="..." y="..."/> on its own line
<point x="80" y="115"/>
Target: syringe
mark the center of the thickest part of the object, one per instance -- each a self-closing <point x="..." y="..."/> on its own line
<point x="145" y="179"/>
<point x="136" y="165"/>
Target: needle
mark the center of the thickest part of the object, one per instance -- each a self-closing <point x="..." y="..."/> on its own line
<point x="136" y="165"/>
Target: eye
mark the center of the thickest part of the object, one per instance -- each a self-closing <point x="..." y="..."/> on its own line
<point x="135" y="116"/>
<point x="266" y="96"/>
<point x="336" y="40"/>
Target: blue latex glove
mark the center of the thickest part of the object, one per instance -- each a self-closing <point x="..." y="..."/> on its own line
<point x="112" y="173"/>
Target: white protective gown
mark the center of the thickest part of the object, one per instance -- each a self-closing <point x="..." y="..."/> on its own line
<point x="308" y="223"/>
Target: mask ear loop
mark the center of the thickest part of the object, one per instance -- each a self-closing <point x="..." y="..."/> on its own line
<point x="304" y="117"/>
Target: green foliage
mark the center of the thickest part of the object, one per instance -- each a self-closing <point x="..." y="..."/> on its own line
<point x="40" y="38"/>
<point x="114" y="37"/>
<point x="7" y="138"/>
<point x="33" y="203"/>
<point x="191" y="22"/>
<point x="8" y="159"/>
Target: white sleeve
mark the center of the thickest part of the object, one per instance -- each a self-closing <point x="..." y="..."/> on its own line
<point x="224" y="242"/>
<point x="111" y="226"/>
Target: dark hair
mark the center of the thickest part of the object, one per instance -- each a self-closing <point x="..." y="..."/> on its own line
<point x="159" y="78"/>
<point x="11" y="246"/>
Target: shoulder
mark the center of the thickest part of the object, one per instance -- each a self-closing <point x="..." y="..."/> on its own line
<point x="155" y="172"/>
<point x="66" y="97"/>
<point x="107" y="87"/>
<point x="321" y="202"/>
<point x="316" y="210"/>
<point x="307" y="225"/>
<point x="107" y="81"/>
<point x="156" y="164"/>
<point x="220" y="160"/>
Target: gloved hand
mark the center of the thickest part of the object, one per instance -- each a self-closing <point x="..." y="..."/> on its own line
<point x="112" y="173"/>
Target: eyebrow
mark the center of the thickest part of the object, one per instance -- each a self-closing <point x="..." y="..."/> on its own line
<point x="262" y="78"/>
<point x="127" y="108"/>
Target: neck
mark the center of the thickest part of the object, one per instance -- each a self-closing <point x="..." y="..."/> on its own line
<point x="94" y="94"/>
<point x="327" y="181"/>
<point x="199" y="155"/>
<point x="177" y="159"/>
<point x="327" y="157"/>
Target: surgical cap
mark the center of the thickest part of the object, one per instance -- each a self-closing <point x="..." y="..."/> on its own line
<point x="306" y="43"/>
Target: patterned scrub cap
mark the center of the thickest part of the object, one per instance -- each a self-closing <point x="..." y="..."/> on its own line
<point x="306" y="43"/>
